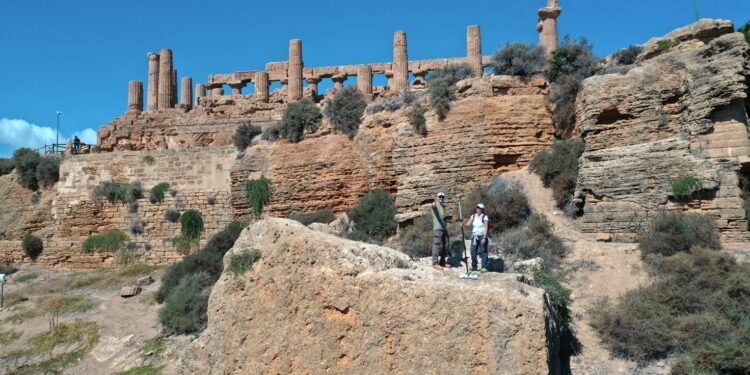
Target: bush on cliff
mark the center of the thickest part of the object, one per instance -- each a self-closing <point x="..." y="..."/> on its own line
<point x="157" y="192"/>
<point x="745" y="29"/>
<point x="696" y="310"/>
<point x="324" y="216"/>
<point x="172" y="215"/>
<point x="571" y="63"/>
<point x="299" y="118"/>
<point x="32" y="246"/>
<point x="117" y="192"/>
<point x="418" y="120"/>
<point x="26" y="161"/>
<point x="534" y="238"/>
<point x="374" y="216"/>
<point x="48" y="171"/>
<point x="416" y="239"/>
<point x="628" y="55"/>
<point x="191" y="224"/>
<point x="109" y="240"/>
<point x="441" y="86"/>
<point x="6" y="166"/>
<point x="185" y="310"/>
<point x="670" y="233"/>
<point x="244" y="135"/>
<point x="506" y="205"/>
<point x="345" y="110"/>
<point x="557" y="165"/>
<point x="242" y="261"/>
<point x="518" y="59"/>
<point x="258" y="194"/>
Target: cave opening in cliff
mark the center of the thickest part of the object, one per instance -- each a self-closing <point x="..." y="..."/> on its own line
<point x="504" y="161"/>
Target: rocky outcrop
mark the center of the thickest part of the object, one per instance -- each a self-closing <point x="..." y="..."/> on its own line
<point x="681" y="113"/>
<point x="23" y="210"/>
<point x="496" y="125"/>
<point x="316" y="303"/>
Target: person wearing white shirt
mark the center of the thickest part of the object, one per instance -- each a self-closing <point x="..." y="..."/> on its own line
<point x="480" y="228"/>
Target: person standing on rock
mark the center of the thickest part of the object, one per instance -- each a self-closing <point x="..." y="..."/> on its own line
<point x="480" y="228"/>
<point x="440" y="232"/>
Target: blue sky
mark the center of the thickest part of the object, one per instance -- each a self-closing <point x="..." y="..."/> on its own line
<point x="78" y="56"/>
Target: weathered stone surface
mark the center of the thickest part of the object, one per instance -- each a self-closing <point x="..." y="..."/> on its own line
<point x="528" y="266"/>
<point x="691" y="36"/>
<point x="317" y="303"/>
<point x="295" y="69"/>
<point x="130" y="291"/>
<point x="19" y="215"/>
<point x="474" y="49"/>
<point x="145" y="280"/>
<point x="135" y="96"/>
<point x="682" y="113"/>
<point x="153" y="81"/>
<point x="400" y="66"/>
<point x="166" y="77"/>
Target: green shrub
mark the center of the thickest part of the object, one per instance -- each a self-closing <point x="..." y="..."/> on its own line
<point x="745" y="29"/>
<point x="669" y="233"/>
<point x="685" y="187"/>
<point x="560" y="300"/>
<point x="8" y="269"/>
<point x="185" y="308"/>
<point x="6" y="166"/>
<point x="506" y="205"/>
<point x="557" y="165"/>
<point x="148" y="160"/>
<point x="26" y="161"/>
<point x="416" y="239"/>
<point x="535" y="238"/>
<point x="418" y="120"/>
<point x="518" y="59"/>
<point x="270" y="133"/>
<point x="345" y="110"/>
<point x="664" y="44"/>
<point x="136" y="227"/>
<point x="696" y="309"/>
<point x="298" y="118"/>
<point x="109" y="240"/>
<point x="157" y="192"/>
<point x="133" y="207"/>
<point x="244" y="135"/>
<point x="113" y="191"/>
<point x="241" y="262"/>
<point x="324" y="216"/>
<point x="172" y="215"/>
<point x="571" y="63"/>
<point x="134" y="191"/>
<point x="441" y="85"/>
<point x="374" y="216"/>
<point x="258" y="194"/>
<point x="32" y="246"/>
<point x="222" y="241"/>
<point x="48" y="171"/>
<point x="35" y="197"/>
<point x="191" y="224"/>
<point x="628" y="55"/>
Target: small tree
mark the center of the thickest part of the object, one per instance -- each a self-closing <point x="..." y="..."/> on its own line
<point x="417" y="119"/>
<point x="557" y="165"/>
<point x="26" y="161"/>
<point x="346" y="109"/>
<point x="441" y="85"/>
<point x="258" y="194"/>
<point x="627" y="56"/>
<point x="518" y="59"/>
<point x="48" y="171"/>
<point x="374" y="216"/>
<point x="191" y="224"/>
<point x="157" y="192"/>
<point x="244" y="135"/>
<point x="32" y="246"/>
<point x="6" y="166"/>
<point x="298" y="118"/>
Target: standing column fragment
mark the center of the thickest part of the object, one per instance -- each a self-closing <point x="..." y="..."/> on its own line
<point x="294" y="73"/>
<point x="547" y="26"/>
<point x="400" y="66"/>
<point x="153" y="81"/>
<point x="200" y="92"/>
<point x="261" y="86"/>
<point x="474" y="49"/>
<point x="135" y="96"/>
<point x="187" y="92"/>
<point x="364" y="80"/>
<point x="165" y="79"/>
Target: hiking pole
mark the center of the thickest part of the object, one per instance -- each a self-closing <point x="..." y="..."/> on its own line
<point x="468" y="274"/>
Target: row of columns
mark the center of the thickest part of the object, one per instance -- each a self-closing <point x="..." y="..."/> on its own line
<point x="162" y="85"/>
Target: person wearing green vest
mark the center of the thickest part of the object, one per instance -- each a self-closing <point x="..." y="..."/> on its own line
<point x="440" y="232"/>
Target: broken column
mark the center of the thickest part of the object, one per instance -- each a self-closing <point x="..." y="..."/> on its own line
<point x="364" y="80"/>
<point x="338" y="81"/>
<point x="215" y="89"/>
<point x="261" y="86"/>
<point x="547" y="26"/>
<point x="173" y="101"/>
<point x="187" y="92"/>
<point x="200" y="92"/>
<point x="400" y="66"/>
<point x="165" y="79"/>
<point x="312" y="83"/>
<point x="135" y="96"/>
<point x="474" y="49"/>
<point x="153" y="81"/>
<point x="294" y="74"/>
<point x="236" y="88"/>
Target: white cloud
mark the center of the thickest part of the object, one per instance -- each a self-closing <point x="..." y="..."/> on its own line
<point x="20" y="133"/>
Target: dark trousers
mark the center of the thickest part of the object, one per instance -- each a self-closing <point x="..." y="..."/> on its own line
<point x="477" y="242"/>
<point x="439" y="246"/>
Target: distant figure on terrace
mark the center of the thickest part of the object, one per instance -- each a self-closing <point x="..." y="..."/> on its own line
<point x="76" y="145"/>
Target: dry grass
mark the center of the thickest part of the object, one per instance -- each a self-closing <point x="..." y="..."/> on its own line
<point x="114" y="278"/>
<point x="7" y="337"/>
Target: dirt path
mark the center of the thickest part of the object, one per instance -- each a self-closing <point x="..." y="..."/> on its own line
<point x="600" y="270"/>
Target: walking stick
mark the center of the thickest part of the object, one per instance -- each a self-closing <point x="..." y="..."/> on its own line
<point x="468" y="274"/>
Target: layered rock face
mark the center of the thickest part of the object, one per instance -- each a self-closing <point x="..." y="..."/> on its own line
<point x="316" y="303"/>
<point x="678" y="112"/>
<point x="496" y="125"/>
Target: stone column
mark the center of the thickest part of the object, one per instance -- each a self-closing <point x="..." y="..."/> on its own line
<point x="364" y="80"/>
<point x="312" y="83"/>
<point x="261" y="86"/>
<point x="135" y="96"/>
<point x="215" y="89"/>
<point x="474" y="49"/>
<point x="200" y="92"/>
<point x="173" y="102"/>
<point x="236" y="88"/>
<point x="400" y="66"/>
<point x="153" y="81"/>
<point x="165" y="79"/>
<point x="294" y="74"/>
<point x="338" y="81"/>
<point x="420" y="77"/>
<point x="187" y="92"/>
<point x="389" y="76"/>
<point x="547" y="26"/>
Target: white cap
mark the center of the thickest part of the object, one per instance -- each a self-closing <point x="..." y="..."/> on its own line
<point x="480" y="205"/>
<point x="441" y="194"/>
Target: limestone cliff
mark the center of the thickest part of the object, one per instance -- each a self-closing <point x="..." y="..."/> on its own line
<point x="316" y="303"/>
<point x="680" y="111"/>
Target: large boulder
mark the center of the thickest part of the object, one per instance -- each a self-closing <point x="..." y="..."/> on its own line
<point x="316" y="303"/>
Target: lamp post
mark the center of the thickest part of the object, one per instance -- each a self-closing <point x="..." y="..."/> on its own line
<point x="57" y="135"/>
